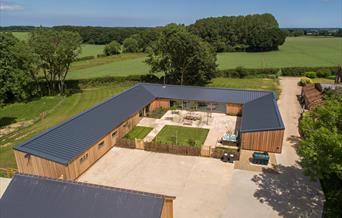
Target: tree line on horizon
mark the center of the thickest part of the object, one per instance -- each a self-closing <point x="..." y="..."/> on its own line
<point x="258" y="32"/>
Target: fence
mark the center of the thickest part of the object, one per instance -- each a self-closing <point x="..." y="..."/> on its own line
<point x="175" y="149"/>
<point x="7" y="172"/>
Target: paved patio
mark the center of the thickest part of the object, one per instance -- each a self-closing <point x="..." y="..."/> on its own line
<point x="217" y="123"/>
<point x="200" y="184"/>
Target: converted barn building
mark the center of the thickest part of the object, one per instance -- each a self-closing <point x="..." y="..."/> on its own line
<point x="68" y="149"/>
<point x="31" y="197"/>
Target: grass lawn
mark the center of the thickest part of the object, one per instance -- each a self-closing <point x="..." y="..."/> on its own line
<point x="68" y="107"/>
<point x="26" y="111"/>
<point x="247" y="83"/>
<point x="180" y="135"/>
<point x="91" y="50"/>
<point x="138" y="132"/>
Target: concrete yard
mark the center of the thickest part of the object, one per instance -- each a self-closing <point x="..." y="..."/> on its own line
<point x="200" y="184"/>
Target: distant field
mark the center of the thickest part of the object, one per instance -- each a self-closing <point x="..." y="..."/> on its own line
<point x="91" y="50"/>
<point x="87" y="49"/>
<point x="296" y="52"/>
<point x="118" y="65"/>
<point x="299" y="51"/>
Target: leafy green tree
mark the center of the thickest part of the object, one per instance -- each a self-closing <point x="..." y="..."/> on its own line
<point x="183" y="57"/>
<point x="321" y="150"/>
<point x="112" y="48"/>
<point x="16" y="65"/>
<point x="56" y="51"/>
<point x="321" y="147"/>
<point x="130" y="45"/>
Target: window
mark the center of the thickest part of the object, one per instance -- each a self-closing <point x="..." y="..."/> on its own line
<point x="114" y="134"/>
<point x="101" y="144"/>
<point x="85" y="157"/>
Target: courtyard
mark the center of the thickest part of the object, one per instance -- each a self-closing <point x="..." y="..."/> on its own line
<point x="200" y="184"/>
<point x="216" y="124"/>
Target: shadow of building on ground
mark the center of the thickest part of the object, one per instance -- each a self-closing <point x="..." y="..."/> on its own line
<point x="289" y="192"/>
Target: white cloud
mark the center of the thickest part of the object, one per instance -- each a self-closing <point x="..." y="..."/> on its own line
<point x="10" y="6"/>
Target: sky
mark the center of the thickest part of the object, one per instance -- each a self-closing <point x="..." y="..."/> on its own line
<point x="289" y="13"/>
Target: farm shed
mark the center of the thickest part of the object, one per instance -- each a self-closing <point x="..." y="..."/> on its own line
<point x="31" y="196"/>
<point x="68" y="149"/>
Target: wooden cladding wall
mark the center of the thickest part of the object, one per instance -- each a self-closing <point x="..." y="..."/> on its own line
<point x="234" y="109"/>
<point x="89" y="157"/>
<point x="159" y="103"/>
<point x="270" y="141"/>
<point x="38" y="166"/>
<point x="42" y="167"/>
<point x="167" y="211"/>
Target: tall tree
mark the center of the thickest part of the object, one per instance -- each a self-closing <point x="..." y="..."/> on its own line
<point x="56" y="51"/>
<point x="321" y="147"/>
<point x="16" y="65"/>
<point x="183" y="57"/>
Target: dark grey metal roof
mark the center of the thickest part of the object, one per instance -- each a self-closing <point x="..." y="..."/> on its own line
<point x="38" y="197"/>
<point x="261" y="114"/>
<point x="237" y="96"/>
<point x="68" y="140"/>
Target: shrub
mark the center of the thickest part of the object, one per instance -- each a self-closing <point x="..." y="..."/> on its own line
<point x="112" y="48"/>
<point x="323" y="73"/>
<point x="130" y="45"/>
<point x="304" y="81"/>
<point x="310" y="74"/>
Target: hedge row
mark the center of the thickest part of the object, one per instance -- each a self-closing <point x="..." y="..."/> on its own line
<point x="241" y="72"/>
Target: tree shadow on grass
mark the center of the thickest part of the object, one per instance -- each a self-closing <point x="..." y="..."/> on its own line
<point x="4" y="121"/>
<point x="289" y="192"/>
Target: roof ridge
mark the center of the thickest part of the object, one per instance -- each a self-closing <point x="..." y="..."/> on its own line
<point x="91" y="185"/>
<point x="205" y="87"/>
<point x="76" y="116"/>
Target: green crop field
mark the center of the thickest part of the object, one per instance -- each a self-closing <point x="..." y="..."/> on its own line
<point x="179" y="135"/>
<point x="296" y="52"/>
